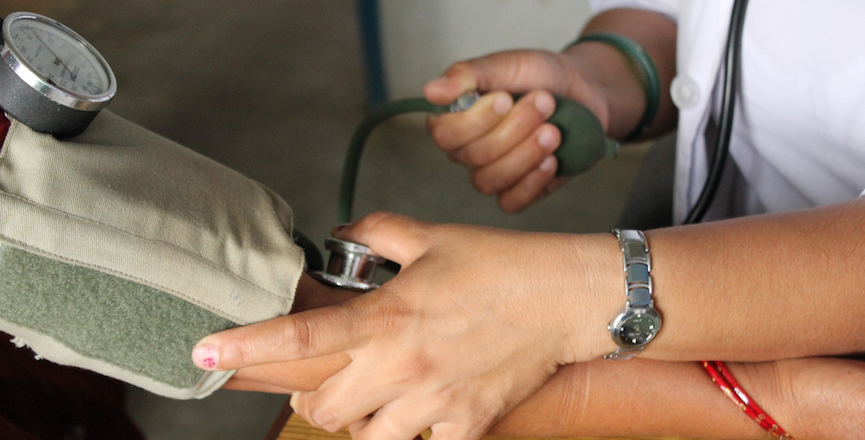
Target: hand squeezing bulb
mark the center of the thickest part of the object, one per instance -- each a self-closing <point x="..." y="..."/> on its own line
<point x="583" y="140"/>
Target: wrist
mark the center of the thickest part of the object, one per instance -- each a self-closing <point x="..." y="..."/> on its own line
<point x="585" y="84"/>
<point x="618" y="92"/>
<point x="593" y="295"/>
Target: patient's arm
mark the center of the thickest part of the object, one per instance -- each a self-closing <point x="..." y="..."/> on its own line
<point x="311" y="295"/>
<point x="810" y="398"/>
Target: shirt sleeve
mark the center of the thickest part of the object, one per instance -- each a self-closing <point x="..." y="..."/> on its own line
<point x="669" y="8"/>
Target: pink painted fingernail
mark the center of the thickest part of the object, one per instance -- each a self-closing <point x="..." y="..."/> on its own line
<point x="205" y="356"/>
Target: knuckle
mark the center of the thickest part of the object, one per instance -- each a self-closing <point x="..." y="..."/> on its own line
<point x="372" y="221"/>
<point x="479" y="155"/>
<point x="296" y="341"/>
<point x="393" y="313"/>
<point x="421" y="365"/>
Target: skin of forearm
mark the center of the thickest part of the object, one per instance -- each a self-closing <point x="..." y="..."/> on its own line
<point x="637" y="397"/>
<point x="600" y="398"/>
<point x="817" y="398"/>
<point x="759" y="288"/>
<point x="609" y="69"/>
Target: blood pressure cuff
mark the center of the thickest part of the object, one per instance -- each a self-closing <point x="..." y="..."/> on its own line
<point x="120" y="249"/>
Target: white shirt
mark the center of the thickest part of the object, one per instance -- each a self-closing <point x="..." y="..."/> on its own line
<point x="799" y="128"/>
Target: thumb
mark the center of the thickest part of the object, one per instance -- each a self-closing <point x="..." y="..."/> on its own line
<point x="398" y="238"/>
<point x="514" y="71"/>
<point x="459" y="79"/>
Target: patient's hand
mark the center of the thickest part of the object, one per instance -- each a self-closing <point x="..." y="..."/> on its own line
<point x="304" y="375"/>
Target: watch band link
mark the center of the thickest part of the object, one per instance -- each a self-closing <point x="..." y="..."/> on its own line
<point x="637" y="266"/>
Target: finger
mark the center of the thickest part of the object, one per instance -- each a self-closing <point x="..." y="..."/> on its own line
<point x="470" y="430"/>
<point x="452" y="131"/>
<point x="395" y="237"/>
<point x="302" y="375"/>
<point x="459" y="79"/>
<point x="343" y="399"/>
<point x="286" y="338"/>
<point x="255" y="386"/>
<point x="355" y="428"/>
<point x="397" y="420"/>
<point x="517" y="71"/>
<point x="522" y="160"/>
<point x="528" y="114"/>
<point x="530" y="189"/>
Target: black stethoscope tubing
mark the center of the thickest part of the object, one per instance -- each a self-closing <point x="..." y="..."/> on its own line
<point x="732" y="70"/>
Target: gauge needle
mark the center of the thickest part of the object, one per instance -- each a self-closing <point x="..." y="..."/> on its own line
<point x="56" y="58"/>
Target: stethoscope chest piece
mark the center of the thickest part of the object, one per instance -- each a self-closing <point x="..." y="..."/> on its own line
<point x="350" y="265"/>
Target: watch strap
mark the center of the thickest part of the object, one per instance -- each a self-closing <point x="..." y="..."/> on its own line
<point x="622" y="353"/>
<point x="637" y="266"/>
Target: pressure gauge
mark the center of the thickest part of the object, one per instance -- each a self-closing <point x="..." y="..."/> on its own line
<point x="51" y="79"/>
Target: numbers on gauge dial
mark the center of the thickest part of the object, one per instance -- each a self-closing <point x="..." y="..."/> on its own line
<point x="58" y="58"/>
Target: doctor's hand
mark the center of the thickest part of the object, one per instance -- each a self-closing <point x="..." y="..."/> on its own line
<point x="508" y="146"/>
<point x="475" y="322"/>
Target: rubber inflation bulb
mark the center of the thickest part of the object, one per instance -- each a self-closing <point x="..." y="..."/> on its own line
<point x="583" y="141"/>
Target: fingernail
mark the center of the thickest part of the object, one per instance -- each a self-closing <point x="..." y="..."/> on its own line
<point x="502" y="104"/>
<point x="293" y="401"/>
<point x="339" y="228"/>
<point x="548" y="164"/>
<point x="545" y="104"/>
<point x="547" y="138"/>
<point x="205" y="356"/>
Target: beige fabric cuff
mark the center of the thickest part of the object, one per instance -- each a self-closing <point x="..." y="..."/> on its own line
<point x="125" y="201"/>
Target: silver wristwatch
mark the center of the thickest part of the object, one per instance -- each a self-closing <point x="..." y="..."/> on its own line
<point x="638" y="322"/>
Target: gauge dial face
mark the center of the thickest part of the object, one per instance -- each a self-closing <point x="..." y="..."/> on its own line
<point x="59" y="57"/>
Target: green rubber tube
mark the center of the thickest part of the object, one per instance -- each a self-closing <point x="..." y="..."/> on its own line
<point x="583" y="141"/>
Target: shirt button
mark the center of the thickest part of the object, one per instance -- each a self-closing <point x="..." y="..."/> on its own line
<point x="685" y="92"/>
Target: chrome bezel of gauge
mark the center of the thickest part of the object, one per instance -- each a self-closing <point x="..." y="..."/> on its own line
<point x="15" y="61"/>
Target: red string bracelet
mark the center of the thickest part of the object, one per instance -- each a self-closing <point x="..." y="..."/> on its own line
<point x="725" y="380"/>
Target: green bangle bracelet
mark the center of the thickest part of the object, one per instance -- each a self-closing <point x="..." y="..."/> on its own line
<point x="650" y="82"/>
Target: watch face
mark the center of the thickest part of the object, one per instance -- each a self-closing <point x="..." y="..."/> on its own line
<point x="639" y="327"/>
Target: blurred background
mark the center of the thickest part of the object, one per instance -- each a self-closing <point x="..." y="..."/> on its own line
<point x="274" y="89"/>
